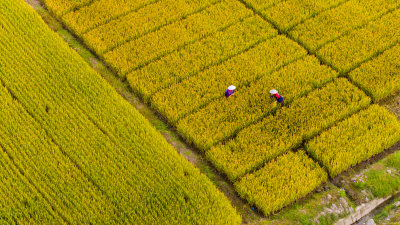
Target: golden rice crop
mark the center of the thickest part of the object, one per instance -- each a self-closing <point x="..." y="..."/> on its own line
<point x="355" y="139"/>
<point x="279" y="133"/>
<point x="140" y="22"/>
<point x="328" y="25"/>
<point x="192" y="93"/>
<point x="287" y="14"/>
<point x="195" y="57"/>
<point x="61" y="7"/>
<point x="381" y="76"/>
<point x="100" y="12"/>
<point x="105" y="163"/>
<point x="223" y="117"/>
<point x="362" y="44"/>
<point x="140" y="51"/>
<point x="281" y="181"/>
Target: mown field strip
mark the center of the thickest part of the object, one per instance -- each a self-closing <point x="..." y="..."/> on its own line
<point x="223" y="117"/>
<point x="20" y="202"/>
<point x="148" y="19"/>
<point x="288" y="128"/>
<point x="148" y="181"/>
<point x="100" y="12"/>
<point x="196" y="57"/>
<point x="281" y="181"/>
<point x="360" y="45"/>
<point x="140" y="51"/>
<point x="355" y="139"/>
<point x="380" y="76"/>
<point x="191" y="94"/>
<point x="329" y="25"/>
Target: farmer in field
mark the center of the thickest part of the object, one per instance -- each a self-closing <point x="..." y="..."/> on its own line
<point x="277" y="96"/>
<point x="230" y="91"/>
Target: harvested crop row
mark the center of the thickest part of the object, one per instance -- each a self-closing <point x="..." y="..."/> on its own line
<point x="381" y="76"/>
<point x="276" y="134"/>
<point x="223" y="117"/>
<point x="140" y="51"/>
<point x="48" y="168"/>
<point x="202" y="88"/>
<point x="287" y="14"/>
<point x="355" y="139"/>
<point x="100" y="12"/>
<point x="61" y="7"/>
<point x="362" y="44"/>
<point x="148" y="181"/>
<point x="280" y="182"/>
<point x="330" y="24"/>
<point x="20" y="203"/>
<point x="195" y="57"/>
<point x="140" y="22"/>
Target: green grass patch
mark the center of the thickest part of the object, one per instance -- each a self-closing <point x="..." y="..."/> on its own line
<point x="382" y="183"/>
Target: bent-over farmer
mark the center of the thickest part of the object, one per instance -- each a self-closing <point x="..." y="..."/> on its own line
<point x="230" y="91"/>
<point x="277" y="96"/>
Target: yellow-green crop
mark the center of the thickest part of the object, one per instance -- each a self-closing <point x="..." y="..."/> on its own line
<point x="276" y="134"/>
<point x="355" y="139"/>
<point x="93" y="155"/>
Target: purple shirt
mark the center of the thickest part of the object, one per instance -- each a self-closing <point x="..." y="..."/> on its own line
<point x="229" y="92"/>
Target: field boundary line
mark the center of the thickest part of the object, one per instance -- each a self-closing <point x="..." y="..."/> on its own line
<point x="354" y="28"/>
<point x="119" y="44"/>
<point x="87" y="30"/>
<point x="182" y="46"/>
<point x="221" y="61"/>
<point x="242" y="86"/>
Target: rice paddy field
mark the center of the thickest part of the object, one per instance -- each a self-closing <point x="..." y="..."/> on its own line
<point x="73" y="151"/>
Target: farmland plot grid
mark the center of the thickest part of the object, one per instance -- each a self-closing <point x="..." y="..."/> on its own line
<point x="65" y="97"/>
<point x="288" y="25"/>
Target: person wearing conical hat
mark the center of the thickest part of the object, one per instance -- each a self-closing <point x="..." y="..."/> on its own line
<point x="230" y="91"/>
<point x="277" y="96"/>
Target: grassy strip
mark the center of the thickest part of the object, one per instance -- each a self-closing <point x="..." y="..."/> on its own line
<point x="362" y="44"/>
<point x="141" y="51"/>
<point x="355" y="139"/>
<point x="281" y="181"/>
<point x="381" y="76"/>
<point x="196" y="91"/>
<point x="330" y="24"/>
<point x="195" y="57"/>
<point x="102" y="134"/>
<point x="224" y="117"/>
<point x="276" y="134"/>
<point x="143" y="21"/>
